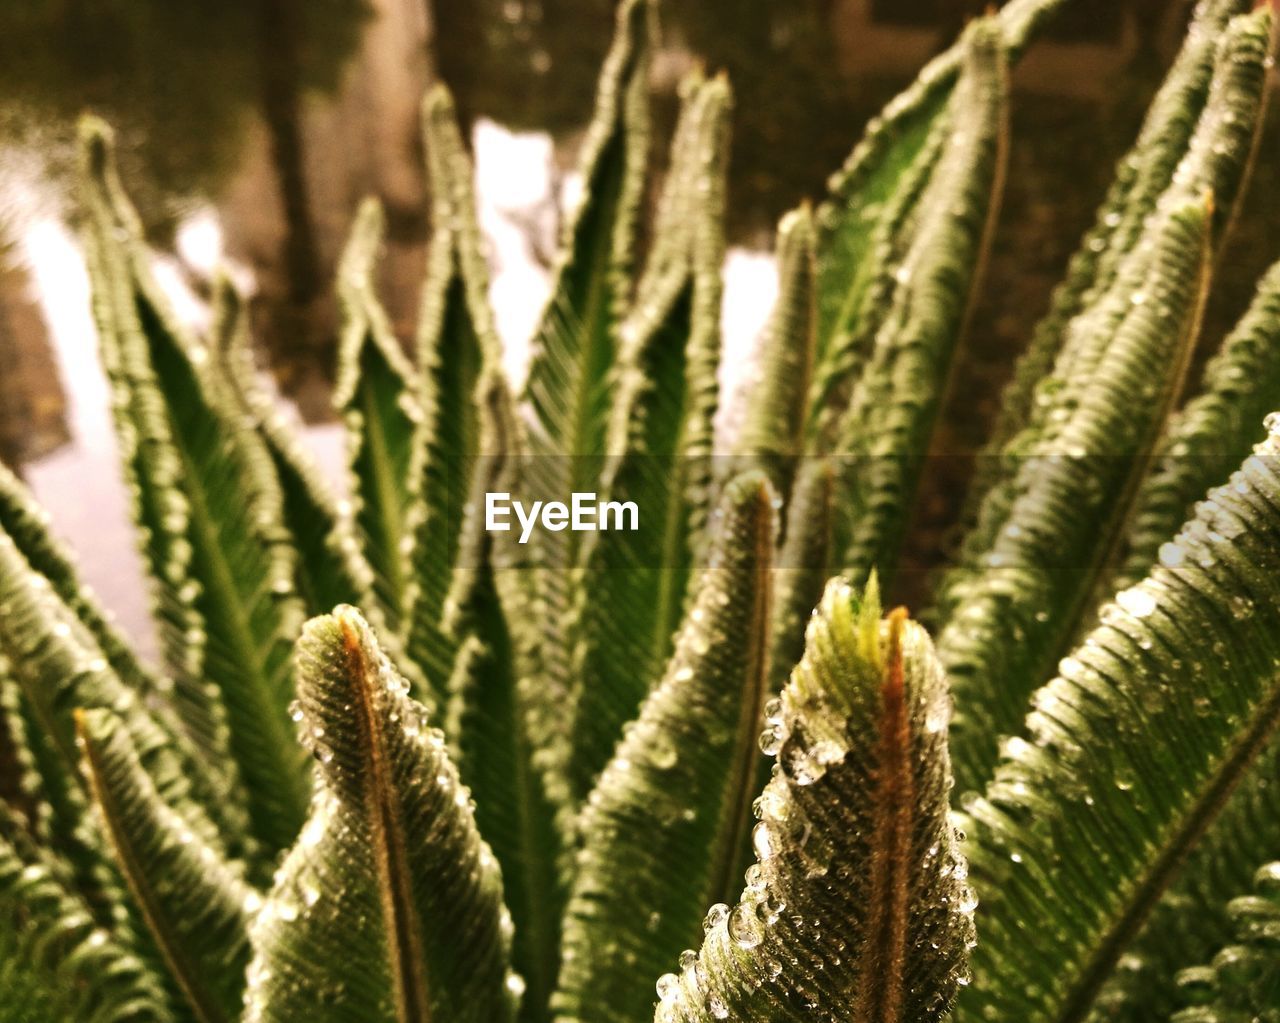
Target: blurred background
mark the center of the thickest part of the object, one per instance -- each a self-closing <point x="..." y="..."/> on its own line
<point x="250" y="129"/>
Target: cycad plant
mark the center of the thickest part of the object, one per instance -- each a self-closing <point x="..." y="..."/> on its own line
<point x="687" y="771"/>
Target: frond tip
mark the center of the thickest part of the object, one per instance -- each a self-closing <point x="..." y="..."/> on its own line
<point x="857" y="902"/>
<point x="389" y="907"/>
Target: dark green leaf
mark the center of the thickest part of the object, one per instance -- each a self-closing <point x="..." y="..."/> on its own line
<point x="889" y="423"/>
<point x="195" y="903"/>
<point x="56" y="962"/>
<point x="457" y="343"/>
<point x="659" y="446"/>
<point x="665" y="830"/>
<point x="1132" y="752"/>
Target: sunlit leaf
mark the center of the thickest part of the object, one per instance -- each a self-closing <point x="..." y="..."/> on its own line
<point x="856" y="907"/>
<point x="1032" y="566"/>
<point x="208" y="513"/>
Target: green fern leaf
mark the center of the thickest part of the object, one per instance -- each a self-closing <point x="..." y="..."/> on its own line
<point x="58" y="666"/>
<point x="1213" y="433"/>
<point x="389" y="907"/>
<point x="1014" y="606"/>
<point x="208" y="514"/>
<point x="56" y="961"/>
<point x="569" y="386"/>
<point x="773" y="424"/>
<point x="330" y="568"/>
<point x="457" y="344"/>
<point x="856" y="907"/>
<point x="634" y="589"/>
<point x="1242" y="982"/>
<point x="665" y="830"/>
<point x="501" y="721"/>
<point x="890" y="420"/>
<point x="195" y="903"/>
<point x="1142" y="176"/>
<point x="376" y="395"/>
<point x="870" y="200"/>
<point x="1129" y="759"/>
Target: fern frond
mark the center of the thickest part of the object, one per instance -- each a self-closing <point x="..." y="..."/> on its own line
<point x="56" y="961"/>
<point x="389" y="906"/>
<point x="857" y="905"/>
<point x="1132" y="753"/>
<point x="330" y="567"/>
<point x="635" y="584"/>
<point x="375" y="394"/>
<point x="683" y="777"/>
<point x="888" y="425"/>
<point x="1212" y="434"/>
<point x="208" y="515"/>
<point x="457" y="345"/>
<point x="195" y="903"/>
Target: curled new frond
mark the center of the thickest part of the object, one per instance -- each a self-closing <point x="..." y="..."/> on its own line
<point x="1131" y="754"/>
<point x="389" y="906"/>
<point x="857" y="906"/>
<point x="664" y="832"/>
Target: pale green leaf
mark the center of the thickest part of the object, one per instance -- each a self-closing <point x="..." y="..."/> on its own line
<point x="208" y="514"/>
<point x="665" y="830"/>
<point x="389" y="906"/>
<point x="375" y="394"/>
<point x="856" y="907"/>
